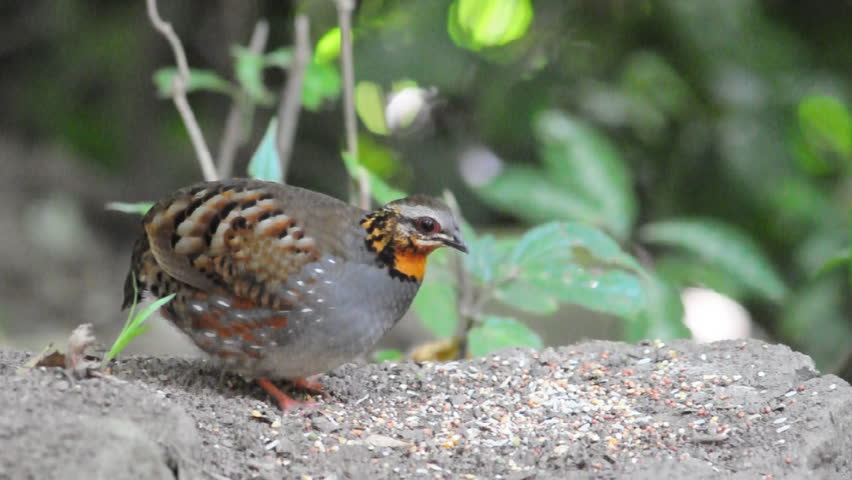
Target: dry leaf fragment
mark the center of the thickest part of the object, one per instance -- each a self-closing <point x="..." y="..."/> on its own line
<point x="438" y="351"/>
<point x="48" y="357"/>
<point x="76" y="363"/>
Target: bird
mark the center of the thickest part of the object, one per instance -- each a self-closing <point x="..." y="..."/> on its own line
<point x="278" y="282"/>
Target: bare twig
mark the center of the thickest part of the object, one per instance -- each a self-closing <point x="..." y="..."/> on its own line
<point x="361" y="190"/>
<point x="344" y="13"/>
<point x="235" y="134"/>
<point x="291" y="96"/>
<point x="465" y="310"/>
<point x="179" y="93"/>
<point x="467" y="304"/>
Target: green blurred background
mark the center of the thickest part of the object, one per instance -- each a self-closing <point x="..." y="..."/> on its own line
<point x="734" y="112"/>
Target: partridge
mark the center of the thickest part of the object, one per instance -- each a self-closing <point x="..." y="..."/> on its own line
<point x="280" y="282"/>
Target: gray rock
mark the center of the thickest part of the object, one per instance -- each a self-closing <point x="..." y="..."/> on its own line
<point x="93" y="429"/>
<point x="725" y="410"/>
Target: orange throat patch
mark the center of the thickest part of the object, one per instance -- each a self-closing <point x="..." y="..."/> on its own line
<point x="411" y="264"/>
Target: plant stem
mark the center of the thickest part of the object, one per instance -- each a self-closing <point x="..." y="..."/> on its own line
<point x="466" y="305"/>
<point x="180" y="81"/>
<point x="360" y="189"/>
<point x="291" y="96"/>
<point x="235" y="135"/>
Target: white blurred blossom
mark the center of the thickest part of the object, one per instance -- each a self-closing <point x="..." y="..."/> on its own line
<point x="478" y="165"/>
<point x="711" y="316"/>
<point x="409" y="109"/>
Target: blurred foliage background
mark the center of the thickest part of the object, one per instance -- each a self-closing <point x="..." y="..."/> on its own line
<point x="712" y="140"/>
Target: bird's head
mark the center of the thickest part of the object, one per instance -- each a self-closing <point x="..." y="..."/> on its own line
<point x="404" y="232"/>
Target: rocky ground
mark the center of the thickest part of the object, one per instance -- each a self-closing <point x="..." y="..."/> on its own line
<point x="595" y="410"/>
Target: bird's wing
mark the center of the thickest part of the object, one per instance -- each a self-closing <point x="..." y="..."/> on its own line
<point x="234" y="235"/>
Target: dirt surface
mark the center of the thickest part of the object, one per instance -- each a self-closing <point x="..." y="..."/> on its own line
<point x="594" y="410"/>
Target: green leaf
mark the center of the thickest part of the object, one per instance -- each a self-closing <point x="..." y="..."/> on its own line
<point x="134" y="327"/>
<point x="439" y="269"/>
<point x="482" y="259"/>
<point x="140" y="208"/>
<point x="796" y="198"/>
<point x="685" y="271"/>
<point x="815" y="319"/>
<point x="485" y="255"/>
<point x="574" y="263"/>
<point x="199" y="80"/>
<point x="571" y="241"/>
<point x="388" y="355"/>
<point x="581" y="160"/>
<point x="723" y="245"/>
<point x="478" y="24"/>
<point x="616" y="292"/>
<point x="377" y="157"/>
<point x="527" y="298"/>
<point x="808" y="159"/>
<point x="663" y="316"/>
<point x="816" y="253"/>
<point x="140" y="317"/>
<point x="265" y="163"/>
<point x="826" y="125"/>
<point x="838" y="259"/>
<point x="649" y="77"/>
<point x="369" y="103"/>
<point x="494" y="333"/>
<point x="381" y="191"/>
<point x="328" y="47"/>
<point x="484" y="262"/>
<point x="530" y="194"/>
<point x="281" y="58"/>
<point x="249" y="68"/>
<point x="322" y="82"/>
<point x="435" y="305"/>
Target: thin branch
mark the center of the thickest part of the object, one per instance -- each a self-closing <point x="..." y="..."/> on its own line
<point x="466" y="298"/>
<point x="344" y="18"/>
<point x="291" y="96"/>
<point x="235" y="135"/>
<point x="344" y="15"/>
<point x="179" y="93"/>
<point x="167" y="31"/>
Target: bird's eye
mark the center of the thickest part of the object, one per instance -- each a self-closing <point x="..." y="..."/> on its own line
<point x="427" y="225"/>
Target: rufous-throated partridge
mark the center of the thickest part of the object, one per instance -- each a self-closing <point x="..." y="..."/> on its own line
<point x="280" y="282"/>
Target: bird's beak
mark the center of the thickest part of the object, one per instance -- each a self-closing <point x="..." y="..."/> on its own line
<point x="456" y="242"/>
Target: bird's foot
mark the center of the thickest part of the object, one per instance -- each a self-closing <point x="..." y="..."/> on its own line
<point x="285" y="402"/>
<point x="310" y="384"/>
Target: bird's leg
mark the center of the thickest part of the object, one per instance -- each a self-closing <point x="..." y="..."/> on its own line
<point x="284" y="401"/>
<point x="310" y="384"/>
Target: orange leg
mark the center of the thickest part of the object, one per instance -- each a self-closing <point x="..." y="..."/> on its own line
<point x="310" y="384"/>
<point x="286" y="403"/>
